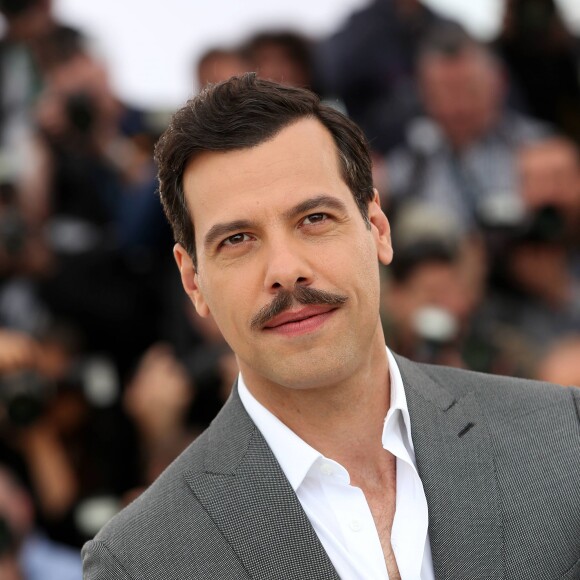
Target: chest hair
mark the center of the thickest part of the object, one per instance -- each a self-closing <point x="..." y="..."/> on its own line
<point x="381" y="497"/>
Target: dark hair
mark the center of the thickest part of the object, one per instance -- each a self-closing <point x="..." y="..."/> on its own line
<point x="419" y="253"/>
<point x="243" y="112"/>
<point x="447" y="39"/>
<point x="60" y="46"/>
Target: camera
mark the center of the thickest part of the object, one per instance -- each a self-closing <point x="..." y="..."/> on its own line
<point x="24" y="396"/>
<point x="81" y="113"/>
<point x="506" y="223"/>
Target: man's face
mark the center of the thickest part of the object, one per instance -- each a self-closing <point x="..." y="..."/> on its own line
<point x="463" y="94"/>
<point x="431" y="284"/>
<point x="272" y="62"/>
<point x="271" y="218"/>
<point x="220" y="67"/>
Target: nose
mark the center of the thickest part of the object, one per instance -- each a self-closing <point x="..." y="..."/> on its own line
<point x="287" y="265"/>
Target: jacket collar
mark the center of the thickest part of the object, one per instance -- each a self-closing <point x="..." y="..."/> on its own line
<point x="252" y="503"/>
<point x="455" y="460"/>
<point x="245" y="492"/>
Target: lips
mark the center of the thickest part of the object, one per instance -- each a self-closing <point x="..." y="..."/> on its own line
<point x="291" y="317"/>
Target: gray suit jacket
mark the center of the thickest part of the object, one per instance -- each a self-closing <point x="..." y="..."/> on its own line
<point x="499" y="459"/>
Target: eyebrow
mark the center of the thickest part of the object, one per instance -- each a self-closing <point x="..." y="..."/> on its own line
<point x="315" y="203"/>
<point x="221" y="230"/>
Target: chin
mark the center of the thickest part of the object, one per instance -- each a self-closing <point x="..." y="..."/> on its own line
<point x="312" y="372"/>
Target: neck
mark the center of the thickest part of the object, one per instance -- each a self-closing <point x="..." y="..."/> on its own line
<point x="327" y="417"/>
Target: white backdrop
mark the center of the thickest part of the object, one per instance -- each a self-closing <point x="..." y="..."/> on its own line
<point x="151" y="45"/>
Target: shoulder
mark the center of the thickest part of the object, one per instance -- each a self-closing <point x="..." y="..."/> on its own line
<point x="166" y="532"/>
<point x="503" y="394"/>
<point x="160" y="533"/>
<point x="512" y="443"/>
<point x="502" y="400"/>
<point x="514" y="410"/>
<point x="133" y="539"/>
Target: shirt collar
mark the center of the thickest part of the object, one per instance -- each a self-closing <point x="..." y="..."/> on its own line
<point x="294" y="455"/>
<point x="398" y="399"/>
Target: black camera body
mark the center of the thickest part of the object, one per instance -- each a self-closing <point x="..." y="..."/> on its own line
<point x="24" y="396"/>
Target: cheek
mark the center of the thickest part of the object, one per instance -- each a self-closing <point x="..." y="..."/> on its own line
<point x="365" y="271"/>
<point x="230" y="302"/>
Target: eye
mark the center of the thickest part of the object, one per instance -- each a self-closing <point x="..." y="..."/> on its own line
<point x="236" y="240"/>
<point x="314" y="218"/>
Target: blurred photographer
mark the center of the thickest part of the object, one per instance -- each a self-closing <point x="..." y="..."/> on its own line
<point x="218" y="64"/>
<point x="24" y="48"/>
<point x="534" y="291"/>
<point x="105" y="225"/>
<point x="549" y="172"/>
<point x="29" y="371"/>
<point x="536" y="277"/>
<point x="77" y="107"/>
<point x="424" y="305"/>
<point x="60" y="412"/>
<point x="281" y="56"/>
<point x="25" y="553"/>
<point x="462" y="152"/>
<point x="433" y="295"/>
<point x="540" y="49"/>
<point x="177" y="389"/>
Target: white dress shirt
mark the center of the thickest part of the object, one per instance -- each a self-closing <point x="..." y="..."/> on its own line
<point x="338" y="511"/>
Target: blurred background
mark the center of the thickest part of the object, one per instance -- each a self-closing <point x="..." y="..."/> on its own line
<point x="472" y="112"/>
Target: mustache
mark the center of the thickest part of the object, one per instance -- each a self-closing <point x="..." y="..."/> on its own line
<point x="285" y="298"/>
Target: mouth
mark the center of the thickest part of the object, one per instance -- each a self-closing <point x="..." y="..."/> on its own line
<point x="300" y="321"/>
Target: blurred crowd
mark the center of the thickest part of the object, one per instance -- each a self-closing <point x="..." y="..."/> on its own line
<point x="106" y="371"/>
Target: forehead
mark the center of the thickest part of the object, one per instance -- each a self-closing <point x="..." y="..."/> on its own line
<point x="300" y="160"/>
<point x="466" y="68"/>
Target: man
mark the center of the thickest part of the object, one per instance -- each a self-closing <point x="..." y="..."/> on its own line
<point x="218" y="64"/>
<point x="282" y="56"/>
<point x="279" y="237"/>
<point x="549" y="175"/>
<point x="461" y="155"/>
<point x="370" y="64"/>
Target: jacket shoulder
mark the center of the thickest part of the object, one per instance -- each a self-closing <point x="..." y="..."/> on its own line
<point x="166" y="532"/>
<point x="161" y="533"/>
<point x="512" y="443"/>
<point x="504" y="396"/>
<point x="159" y="497"/>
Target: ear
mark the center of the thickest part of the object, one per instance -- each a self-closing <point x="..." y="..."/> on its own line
<point x="381" y="230"/>
<point x="190" y="280"/>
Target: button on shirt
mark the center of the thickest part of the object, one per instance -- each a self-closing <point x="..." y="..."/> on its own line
<point x="338" y="511"/>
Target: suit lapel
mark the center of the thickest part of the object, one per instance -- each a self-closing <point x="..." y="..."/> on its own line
<point x="250" y="500"/>
<point x="455" y="460"/>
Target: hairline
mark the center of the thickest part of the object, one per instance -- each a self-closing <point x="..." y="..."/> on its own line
<point x="472" y="52"/>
